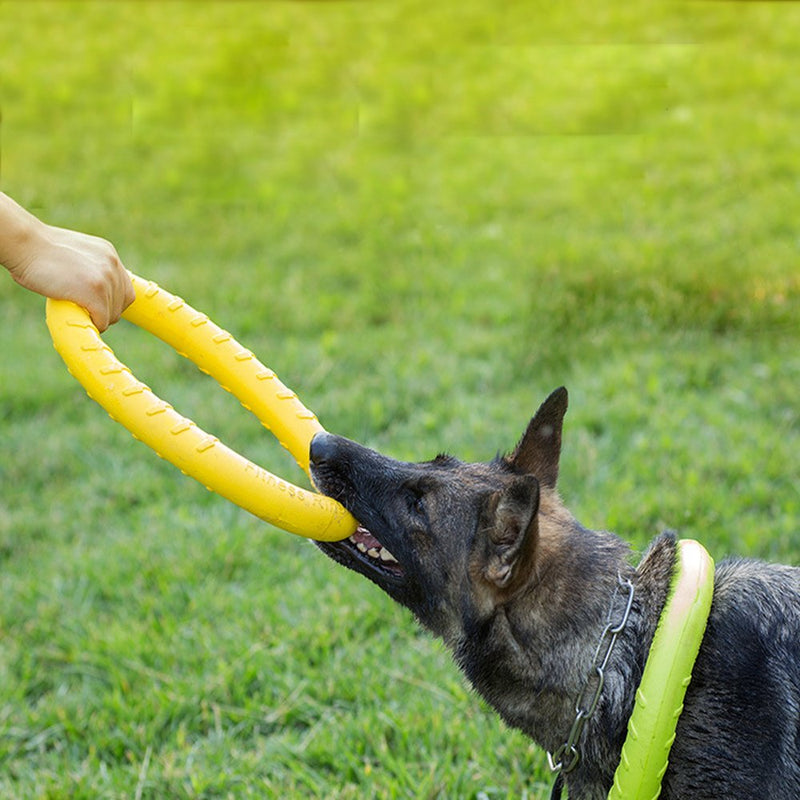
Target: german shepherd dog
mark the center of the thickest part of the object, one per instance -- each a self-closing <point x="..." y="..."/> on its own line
<point x="488" y="558"/>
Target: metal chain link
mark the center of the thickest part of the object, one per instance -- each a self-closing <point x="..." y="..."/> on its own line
<point x="566" y="758"/>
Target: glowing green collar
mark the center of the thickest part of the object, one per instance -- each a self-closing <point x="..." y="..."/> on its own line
<point x="659" y="698"/>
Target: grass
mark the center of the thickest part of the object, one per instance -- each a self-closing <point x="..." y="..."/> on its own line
<point x="423" y="218"/>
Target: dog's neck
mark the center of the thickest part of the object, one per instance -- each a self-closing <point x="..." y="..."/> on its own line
<point x="606" y="732"/>
<point x="530" y="659"/>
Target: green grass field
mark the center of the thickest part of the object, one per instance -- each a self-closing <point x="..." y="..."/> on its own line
<point x="423" y="217"/>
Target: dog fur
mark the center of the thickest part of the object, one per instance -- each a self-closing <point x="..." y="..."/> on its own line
<point x="488" y="558"/>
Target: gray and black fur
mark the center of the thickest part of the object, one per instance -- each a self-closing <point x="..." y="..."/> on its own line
<point x="488" y="558"/>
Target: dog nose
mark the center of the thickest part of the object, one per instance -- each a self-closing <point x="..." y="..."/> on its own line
<point x="323" y="448"/>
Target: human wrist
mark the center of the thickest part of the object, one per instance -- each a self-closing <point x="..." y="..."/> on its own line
<point x="21" y="234"/>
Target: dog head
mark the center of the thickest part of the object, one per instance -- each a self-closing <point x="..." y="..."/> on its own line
<point x="443" y="537"/>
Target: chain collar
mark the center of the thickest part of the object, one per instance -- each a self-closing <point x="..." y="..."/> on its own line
<point x="566" y="758"/>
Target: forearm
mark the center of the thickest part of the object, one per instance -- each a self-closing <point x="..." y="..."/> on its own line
<point x="19" y="234"/>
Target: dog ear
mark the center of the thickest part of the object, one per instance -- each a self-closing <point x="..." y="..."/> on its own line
<point x="510" y="533"/>
<point x="540" y="447"/>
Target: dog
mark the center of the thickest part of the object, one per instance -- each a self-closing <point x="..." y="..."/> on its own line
<point x="488" y="558"/>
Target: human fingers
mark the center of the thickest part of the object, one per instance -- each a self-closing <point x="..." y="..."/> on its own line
<point x="110" y="290"/>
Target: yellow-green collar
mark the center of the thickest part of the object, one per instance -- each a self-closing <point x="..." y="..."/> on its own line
<point x="659" y="698"/>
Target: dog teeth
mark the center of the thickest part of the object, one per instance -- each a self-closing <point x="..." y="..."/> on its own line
<point x="380" y="553"/>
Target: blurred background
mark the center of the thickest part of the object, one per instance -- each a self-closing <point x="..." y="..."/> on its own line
<point x="423" y="218"/>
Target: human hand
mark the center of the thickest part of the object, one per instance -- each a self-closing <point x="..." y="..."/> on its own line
<point x="64" y="264"/>
<point x="75" y="266"/>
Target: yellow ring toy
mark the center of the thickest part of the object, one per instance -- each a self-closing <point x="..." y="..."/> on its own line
<point x="176" y="438"/>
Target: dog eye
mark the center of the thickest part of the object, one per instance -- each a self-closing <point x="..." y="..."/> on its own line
<point x="416" y="503"/>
